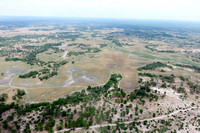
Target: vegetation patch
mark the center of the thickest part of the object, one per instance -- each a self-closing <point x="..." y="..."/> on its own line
<point x="19" y="95"/>
<point x="153" y="66"/>
<point x="197" y="69"/>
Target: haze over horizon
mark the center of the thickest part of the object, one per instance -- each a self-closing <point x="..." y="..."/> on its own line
<point x="129" y="9"/>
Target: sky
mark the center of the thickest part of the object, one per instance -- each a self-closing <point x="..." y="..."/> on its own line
<point x="132" y="9"/>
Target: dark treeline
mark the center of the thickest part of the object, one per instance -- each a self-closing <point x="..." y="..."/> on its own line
<point x="153" y="66"/>
<point x="197" y="69"/>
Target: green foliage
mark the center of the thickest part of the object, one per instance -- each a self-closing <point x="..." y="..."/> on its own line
<point x="116" y="42"/>
<point x="59" y="127"/>
<point x="71" y="53"/>
<point x="14" y="59"/>
<point x="28" y="75"/>
<point x="113" y="81"/>
<point x="102" y="45"/>
<point x="49" y="124"/>
<point x="27" y="128"/>
<point x="147" y="74"/>
<point x="5" y="107"/>
<point x="162" y="70"/>
<point x="182" y="78"/>
<point x="144" y="91"/>
<point x="169" y="79"/>
<point x="141" y="111"/>
<point x="162" y="129"/>
<point x="5" y="124"/>
<point x="154" y="114"/>
<point x="181" y="90"/>
<point x="3" y="97"/>
<point x="86" y="50"/>
<point x="20" y="92"/>
<point x="145" y="122"/>
<point x="153" y="66"/>
<point x="194" y="88"/>
<point x="164" y="85"/>
<point x="197" y="69"/>
<point x="13" y="97"/>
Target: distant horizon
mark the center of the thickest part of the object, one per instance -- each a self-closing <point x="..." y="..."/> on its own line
<point x="59" y="17"/>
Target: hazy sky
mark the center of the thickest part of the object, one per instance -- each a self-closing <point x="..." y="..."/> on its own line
<point x="136" y="9"/>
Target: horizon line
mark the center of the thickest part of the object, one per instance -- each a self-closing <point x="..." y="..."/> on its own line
<point x="114" y="18"/>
